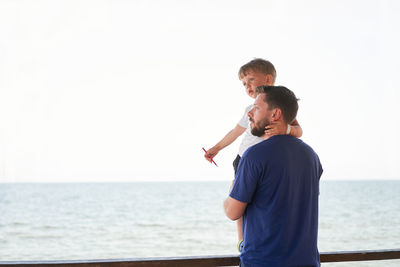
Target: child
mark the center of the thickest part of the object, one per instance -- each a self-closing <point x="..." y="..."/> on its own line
<point x="253" y="74"/>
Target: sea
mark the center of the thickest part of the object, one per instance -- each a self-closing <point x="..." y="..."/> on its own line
<point x="75" y="221"/>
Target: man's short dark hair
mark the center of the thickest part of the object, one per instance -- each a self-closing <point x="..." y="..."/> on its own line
<point x="282" y="98"/>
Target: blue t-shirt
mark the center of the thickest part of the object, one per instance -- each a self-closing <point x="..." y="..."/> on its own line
<point x="279" y="180"/>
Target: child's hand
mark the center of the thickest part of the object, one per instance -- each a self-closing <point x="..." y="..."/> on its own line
<point x="211" y="153"/>
<point x="275" y="129"/>
<point x="230" y="188"/>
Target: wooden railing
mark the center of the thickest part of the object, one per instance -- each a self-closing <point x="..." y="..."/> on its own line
<point x="203" y="261"/>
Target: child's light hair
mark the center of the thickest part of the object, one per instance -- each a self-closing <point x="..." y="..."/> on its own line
<point x="258" y="65"/>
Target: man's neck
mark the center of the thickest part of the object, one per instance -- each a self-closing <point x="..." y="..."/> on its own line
<point x="278" y="126"/>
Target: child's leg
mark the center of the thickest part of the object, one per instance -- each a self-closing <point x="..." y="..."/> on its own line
<point x="239" y="224"/>
<point x="239" y="221"/>
<point x="239" y="228"/>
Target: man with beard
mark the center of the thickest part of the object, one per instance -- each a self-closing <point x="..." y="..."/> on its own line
<point x="276" y="189"/>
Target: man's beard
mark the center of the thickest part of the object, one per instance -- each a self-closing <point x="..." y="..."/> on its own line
<point x="258" y="129"/>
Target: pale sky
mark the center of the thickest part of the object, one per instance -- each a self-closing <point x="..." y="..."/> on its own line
<point x="132" y="90"/>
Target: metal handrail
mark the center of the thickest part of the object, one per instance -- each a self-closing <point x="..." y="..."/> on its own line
<point x="203" y="261"/>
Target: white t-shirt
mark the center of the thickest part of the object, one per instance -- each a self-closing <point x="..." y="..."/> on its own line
<point x="248" y="139"/>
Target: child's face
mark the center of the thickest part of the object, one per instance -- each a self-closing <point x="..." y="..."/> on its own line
<point x="254" y="79"/>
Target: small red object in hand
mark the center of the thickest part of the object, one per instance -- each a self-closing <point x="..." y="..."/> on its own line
<point x="210" y="158"/>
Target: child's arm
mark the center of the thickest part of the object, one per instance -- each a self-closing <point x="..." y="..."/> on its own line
<point x="226" y="141"/>
<point x="295" y="129"/>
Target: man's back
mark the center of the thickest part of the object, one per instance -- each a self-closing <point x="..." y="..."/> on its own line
<point x="279" y="179"/>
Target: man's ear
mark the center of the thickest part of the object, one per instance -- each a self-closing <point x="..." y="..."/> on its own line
<point x="276" y="114"/>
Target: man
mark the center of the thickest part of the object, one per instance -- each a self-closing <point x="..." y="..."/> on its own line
<point x="276" y="189"/>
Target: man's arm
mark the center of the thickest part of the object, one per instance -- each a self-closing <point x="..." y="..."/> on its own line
<point x="234" y="209"/>
<point x="231" y="136"/>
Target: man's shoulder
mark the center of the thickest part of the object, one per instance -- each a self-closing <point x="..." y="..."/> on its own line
<point x="268" y="143"/>
<point x="276" y="143"/>
<point x="301" y="144"/>
<point x="257" y="150"/>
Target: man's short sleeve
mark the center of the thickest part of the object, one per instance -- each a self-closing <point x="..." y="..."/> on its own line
<point x="246" y="180"/>
<point x="321" y="170"/>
